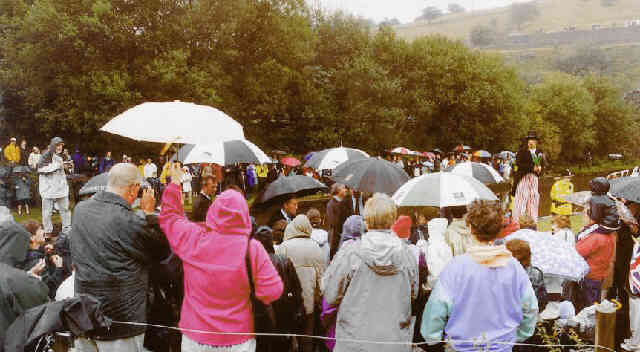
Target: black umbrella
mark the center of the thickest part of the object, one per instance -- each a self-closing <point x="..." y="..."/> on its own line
<point x="627" y="188"/>
<point x="21" y="169"/>
<point x="299" y="185"/>
<point x="371" y="175"/>
<point x="95" y="184"/>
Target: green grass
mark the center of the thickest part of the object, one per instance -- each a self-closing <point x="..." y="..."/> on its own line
<point x="601" y="167"/>
<point x="577" y="223"/>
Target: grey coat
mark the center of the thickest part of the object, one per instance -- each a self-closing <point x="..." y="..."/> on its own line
<point x="374" y="281"/>
<point x="53" y="180"/>
<point x="23" y="188"/>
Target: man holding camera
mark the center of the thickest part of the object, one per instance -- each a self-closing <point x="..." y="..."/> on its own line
<point x="54" y="188"/>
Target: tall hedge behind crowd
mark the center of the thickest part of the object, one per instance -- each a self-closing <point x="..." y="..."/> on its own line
<point x="297" y="78"/>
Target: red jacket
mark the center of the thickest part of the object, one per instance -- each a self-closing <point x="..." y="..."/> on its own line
<point x="598" y="249"/>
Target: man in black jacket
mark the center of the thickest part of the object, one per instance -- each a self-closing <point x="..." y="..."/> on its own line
<point x="530" y="163"/>
<point x="203" y="201"/>
<point x="112" y="249"/>
<point x="339" y="209"/>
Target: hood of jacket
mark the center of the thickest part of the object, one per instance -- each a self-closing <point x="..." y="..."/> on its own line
<point x="229" y="214"/>
<point x="47" y="156"/>
<point x="383" y="252"/>
<point x="353" y="228"/>
<point x="300" y="226"/>
<point x="14" y="243"/>
<point x="599" y="185"/>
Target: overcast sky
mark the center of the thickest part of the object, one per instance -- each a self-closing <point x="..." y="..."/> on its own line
<point x="404" y="10"/>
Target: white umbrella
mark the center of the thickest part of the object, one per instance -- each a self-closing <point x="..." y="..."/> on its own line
<point x="481" y="172"/>
<point x="329" y="159"/>
<point x="442" y="189"/>
<point x="175" y="122"/>
<point x="223" y="153"/>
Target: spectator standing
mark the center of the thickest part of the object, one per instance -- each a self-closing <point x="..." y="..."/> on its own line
<point x="106" y="163"/>
<point x="203" y="201"/>
<point x="318" y="234"/>
<point x="12" y="152"/>
<point x="34" y="158"/>
<point x="113" y="249"/>
<point x="150" y="169"/>
<point x="287" y="212"/>
<point x="337" y="213"/>
<point x="215" y="274"/>
<point x="22" y="183"/>
<point x="24" y="154"/>
<point x="186" y="185"/>
<point x="53" y="186"/>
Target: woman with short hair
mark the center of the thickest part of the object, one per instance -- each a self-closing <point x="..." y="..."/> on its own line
<point x="483" y="295"/>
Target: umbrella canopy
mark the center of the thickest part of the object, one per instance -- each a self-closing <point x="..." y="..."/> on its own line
<point x="308" y="156"/>
<point x="290" y="161"/>
<point x="329" y="159"/>
<point x="481" y="172"/>
<point x="300" y="185"/>
<point x="21" y="169"/>
<point x="578" y="198"/>
<point x="175" y="122"/>
<point x="627" y="188"/>
<point x="442" y="189"/>
<point x="552" y="255"/>
<point x="371" y="175"/>
<point x="437" y="151"/>
<point x="428" y="155"/>
<point x="222" y="153"/>
<point x="505" y="153"/>
<point x="95" y="184"/>
<point x="482" y="154"/>
<point x="401" y="151"/>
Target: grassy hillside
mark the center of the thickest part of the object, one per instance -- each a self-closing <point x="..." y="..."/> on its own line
<point x="554" y="16"/>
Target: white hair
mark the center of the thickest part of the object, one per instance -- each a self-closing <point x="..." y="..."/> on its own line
<point x="380" y="212"/>
<point x="123" y="175"/>
<point x="5" y="214"/>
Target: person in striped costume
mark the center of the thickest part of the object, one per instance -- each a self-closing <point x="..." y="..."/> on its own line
<point x="530" y="163"/>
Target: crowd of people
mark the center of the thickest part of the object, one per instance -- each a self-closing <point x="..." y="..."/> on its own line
<point x="363" y="277"/>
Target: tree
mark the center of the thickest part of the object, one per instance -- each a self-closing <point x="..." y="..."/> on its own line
<point x="430" y="13"/>
<point x="482" y="35"/>
<point x="455" y="8"/>
<point x="390" y="22"/>
<point x="584" y="61"/>
<point x="523" y="12"/>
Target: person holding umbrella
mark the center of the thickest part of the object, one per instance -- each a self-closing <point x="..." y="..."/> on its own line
<point x="53" y="186"/>
<point x="287" y="212"/>
<point x="530" y="162"/>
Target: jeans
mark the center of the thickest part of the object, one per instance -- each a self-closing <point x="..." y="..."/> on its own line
<point x="131" y="344"/>
<point x="47" y="210"/>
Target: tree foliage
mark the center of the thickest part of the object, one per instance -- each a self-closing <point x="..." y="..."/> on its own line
<point x="482" y="35"/>
<point x="523" y="12"/>
<point x="430" y="13"/>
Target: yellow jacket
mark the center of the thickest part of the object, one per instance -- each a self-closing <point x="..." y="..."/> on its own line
<point x="262" y="171"/>
<point x="141" y="170"/>
<point x="559" y="189"/>
<point x="165" y="173"/>
<point x="12" y="153"/>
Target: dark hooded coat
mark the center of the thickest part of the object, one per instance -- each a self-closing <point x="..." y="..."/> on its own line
<point x="18" y="290"/>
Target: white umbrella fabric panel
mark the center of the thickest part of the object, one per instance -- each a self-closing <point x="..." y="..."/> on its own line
<point x="552" y="255"/>
<point x="223" y="153"/>
<point x="371" y="175"/>
<point x="175" y="122"/>
<point x="442" y="189"/>
<point x="481" y="172"/>
<point x="329" y="159"/>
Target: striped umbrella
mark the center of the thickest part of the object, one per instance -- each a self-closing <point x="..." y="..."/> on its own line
<point x="222" y="153"/>
<point x="329" y="159"/>
<point x="481" y="172"/>
<point x="482" y="154"/>
<point x="441" y="189"/>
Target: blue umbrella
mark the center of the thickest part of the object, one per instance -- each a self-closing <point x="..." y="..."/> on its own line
<point x="308" y="156"/>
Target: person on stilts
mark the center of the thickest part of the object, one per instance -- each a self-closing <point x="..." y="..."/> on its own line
<point x="530" y="163"/>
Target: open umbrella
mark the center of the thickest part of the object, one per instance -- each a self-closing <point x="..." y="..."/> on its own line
<point x="175" y="122"/>
<point x="482" y="154"/>
<point x="437" y="151"/>
<point x="401" y="151"/>
<point x="552" y="255"/>
<point x="505" y="153"/>
<point x="329" y="159"/>
<point x="428" y="155"/>
<point x="95" y="184"/>
<point x="627" y="188"/>
<point x="441" y="189"/>
<point x="300" y="185"/>
<point x="577" y="198"/>
<point x="222" y="153"/>
<point x="290" y="161"/>
<point x="308" y="156"/>
<point x="21" y="169"/>
<point x="481" y="172"/>
<point x="371" y="175"/>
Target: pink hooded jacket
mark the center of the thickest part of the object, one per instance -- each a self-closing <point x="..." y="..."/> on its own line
<point x="216" y="283"/>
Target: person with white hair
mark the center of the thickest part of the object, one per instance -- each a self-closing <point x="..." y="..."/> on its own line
<point x="112" y="249"/>
<point x="375" y="282"/>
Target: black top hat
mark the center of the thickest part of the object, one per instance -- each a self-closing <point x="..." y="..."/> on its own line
<point x="531" y="135"/>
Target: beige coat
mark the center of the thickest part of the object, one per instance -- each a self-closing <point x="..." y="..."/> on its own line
<point x="458" y="236"/>
<point x="307" y="258"/>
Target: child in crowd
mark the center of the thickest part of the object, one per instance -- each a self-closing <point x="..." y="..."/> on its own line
<point x="603" y="207"/>
<point x="317" y="234"/>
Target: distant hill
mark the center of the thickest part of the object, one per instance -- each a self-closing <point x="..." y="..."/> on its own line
<point x="555" y="16"/>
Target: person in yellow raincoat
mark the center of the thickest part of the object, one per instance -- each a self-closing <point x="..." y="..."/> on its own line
<point x="562" y="187"/>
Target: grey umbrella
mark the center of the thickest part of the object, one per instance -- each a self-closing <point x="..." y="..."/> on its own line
<point x="299" y="185"/>
<point x="95" y="184"/>
<point x="371" y="175"/>
<point x="627" y="188"/>
<point x="21" y="169"/>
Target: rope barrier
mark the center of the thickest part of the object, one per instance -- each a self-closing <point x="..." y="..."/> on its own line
<point x="478" y="342"/>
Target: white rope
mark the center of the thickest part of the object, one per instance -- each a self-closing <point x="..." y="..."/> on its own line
<point x="430" y="342"/>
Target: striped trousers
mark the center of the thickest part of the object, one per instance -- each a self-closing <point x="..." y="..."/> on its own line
<point x="527" y="198"/>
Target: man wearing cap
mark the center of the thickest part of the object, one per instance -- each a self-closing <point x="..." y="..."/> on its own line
<point x="12" y="151"/>
<point x="530" y="162"/>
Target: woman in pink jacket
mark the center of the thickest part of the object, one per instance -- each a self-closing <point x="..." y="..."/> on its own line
<point x="216" y="282"/>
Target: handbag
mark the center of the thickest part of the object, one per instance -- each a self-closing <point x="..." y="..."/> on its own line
<point x="264" y="317"/>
